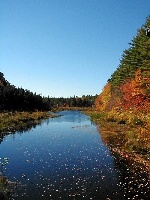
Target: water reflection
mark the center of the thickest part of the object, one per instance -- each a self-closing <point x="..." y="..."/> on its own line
<point x="20" y="130"/>
<point x="69" y="116"/>
<point x="64" y="158"/>
<point x="131" y="153"/>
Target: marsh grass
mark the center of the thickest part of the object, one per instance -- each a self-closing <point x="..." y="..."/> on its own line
<point x="127" y="133"/>
<point x="11" y="122"/>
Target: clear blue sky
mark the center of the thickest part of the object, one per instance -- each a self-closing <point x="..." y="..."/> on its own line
<point x="66" y="47"/>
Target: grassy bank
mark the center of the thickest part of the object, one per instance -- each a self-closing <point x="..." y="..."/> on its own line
<point x="17" y="121"/>
<point x="126" y="134"/>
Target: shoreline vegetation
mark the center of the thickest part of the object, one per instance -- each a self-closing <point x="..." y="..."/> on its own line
<point x="126" y="134"/>
<point x="11" y="122"/>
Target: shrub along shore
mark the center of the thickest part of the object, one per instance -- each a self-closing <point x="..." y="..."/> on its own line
<point x="20" y="121"/>
<point x="11" y="122"/>
<point x="126" y="134"/>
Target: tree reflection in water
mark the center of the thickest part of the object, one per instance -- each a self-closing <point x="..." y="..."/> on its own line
<point x="131" y="153"/>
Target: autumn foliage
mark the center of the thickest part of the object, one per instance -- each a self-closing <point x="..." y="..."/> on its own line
<point x="132" y="94"/>
<point x="129" y="86"/>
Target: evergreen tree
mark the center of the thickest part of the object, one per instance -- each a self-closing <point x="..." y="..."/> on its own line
<point x="136" y="57"/>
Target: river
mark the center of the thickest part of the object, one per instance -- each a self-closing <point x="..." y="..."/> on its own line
<point x="62" y="158"/>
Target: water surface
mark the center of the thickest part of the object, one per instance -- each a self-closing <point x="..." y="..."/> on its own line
<point x="63" y="158"/>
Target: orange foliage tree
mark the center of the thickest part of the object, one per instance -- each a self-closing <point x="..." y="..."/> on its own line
<point x="133" y="95"/>
<point x="102" y="100"/>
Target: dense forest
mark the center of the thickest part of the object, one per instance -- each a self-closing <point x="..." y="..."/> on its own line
<point x="129" y="85"/>
<point x="19" y="99"/>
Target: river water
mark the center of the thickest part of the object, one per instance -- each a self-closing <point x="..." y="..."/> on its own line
<point x="63" y="158"/>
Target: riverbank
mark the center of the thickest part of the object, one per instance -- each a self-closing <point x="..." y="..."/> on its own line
<point x="126" y="135"/>
<point x="11" y="122"/>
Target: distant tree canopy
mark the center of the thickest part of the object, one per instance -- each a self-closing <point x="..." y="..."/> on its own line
<point x="84" y="101"/>
<point x="19" y="99"/>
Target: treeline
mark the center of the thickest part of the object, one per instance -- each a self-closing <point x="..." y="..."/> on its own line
<point x="19" y="99"/>
<point x="84" y="101"/>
